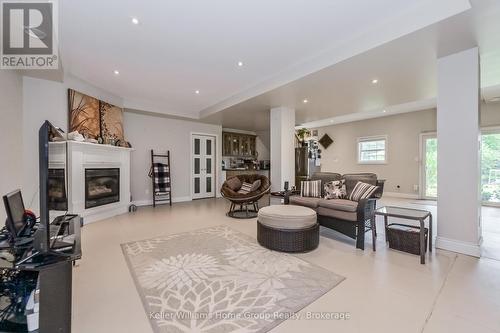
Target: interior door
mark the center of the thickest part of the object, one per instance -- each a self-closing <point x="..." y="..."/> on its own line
<point x="428" y="186"/>
<point x="203" y="170"/>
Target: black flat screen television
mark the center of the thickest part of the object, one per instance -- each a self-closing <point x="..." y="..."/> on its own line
<point x="47" y="135"/>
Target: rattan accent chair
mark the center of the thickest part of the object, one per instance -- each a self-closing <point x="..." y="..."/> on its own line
<point x="245" y="206"/>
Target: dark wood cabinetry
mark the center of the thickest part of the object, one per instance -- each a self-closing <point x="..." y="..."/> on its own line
<point x="238" y="145"/>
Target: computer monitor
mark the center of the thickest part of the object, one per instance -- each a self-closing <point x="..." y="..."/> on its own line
<point x="14" y="207"/>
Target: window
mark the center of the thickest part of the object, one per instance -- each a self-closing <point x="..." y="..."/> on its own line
<point x="372" y="150"/>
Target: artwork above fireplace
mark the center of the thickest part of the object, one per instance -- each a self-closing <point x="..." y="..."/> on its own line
<point x="102" y="186"/>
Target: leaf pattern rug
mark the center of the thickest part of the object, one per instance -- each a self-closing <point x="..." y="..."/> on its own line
<point x="218" y="280"/>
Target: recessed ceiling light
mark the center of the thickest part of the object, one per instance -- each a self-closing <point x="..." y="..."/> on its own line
<point x="135" y="20"/>
<point x="305" y="101"/>
<point x="240" y="63"/>
<point x="197" y="92"/>
<point x="116" y="72"/>
<point x="384" y="111"/>
<point x="375" y="81"/>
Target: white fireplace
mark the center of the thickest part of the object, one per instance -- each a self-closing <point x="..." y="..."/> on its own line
<point x="98" y="180"/>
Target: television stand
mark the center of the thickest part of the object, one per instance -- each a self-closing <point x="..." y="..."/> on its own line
<point x="52" y="270"/>
<point x="44" y="257"/>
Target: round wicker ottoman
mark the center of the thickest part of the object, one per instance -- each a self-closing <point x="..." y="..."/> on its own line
<point x="288" y="228"/>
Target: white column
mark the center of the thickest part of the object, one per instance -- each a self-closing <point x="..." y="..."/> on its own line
<point x="282" y="147"/>
<point x="459" y="206"/>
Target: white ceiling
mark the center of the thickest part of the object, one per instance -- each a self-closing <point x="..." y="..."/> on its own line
<point x="183" y="46"/>
<point x="405" y="68"/>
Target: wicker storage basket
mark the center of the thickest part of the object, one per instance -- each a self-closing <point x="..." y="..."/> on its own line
<point x="405" y="238"/>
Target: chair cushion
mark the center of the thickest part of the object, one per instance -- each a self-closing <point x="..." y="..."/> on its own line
<point x="304" y="201"/>
<point x="362" y="191"/>
<point x="238" y="198"/>
<point x="255" y="185"/>
<point x="339" y="204"/>
<point x="234" y="183"/>
<point x="287" y="217"/>
<point x="338" y="214"/>
<point x="310" y="188"/>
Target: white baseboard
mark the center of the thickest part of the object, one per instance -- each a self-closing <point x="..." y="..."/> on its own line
<point x="453" y="245"/>
<point x="90" y="216"/>
<point x="400" y="195"/>
<point x="150" y="202"/>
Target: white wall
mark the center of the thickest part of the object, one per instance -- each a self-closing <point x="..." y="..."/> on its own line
<point x="147" y="132"/>
<point x="263" y="144"/>
<point x="282" y="147"/>
<point x="47" y="100"/>
<point x="11" y="129"/>
<point x="490" y="114"/>
<point x="403" y="132"/>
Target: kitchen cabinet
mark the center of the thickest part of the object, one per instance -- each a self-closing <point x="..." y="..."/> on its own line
<point x="238" y="145"/>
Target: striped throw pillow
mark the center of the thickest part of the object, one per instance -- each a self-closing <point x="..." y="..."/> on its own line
<point x="245" y="188"/>
<point x="310" y="188"/>
<point x="362" y="191"/>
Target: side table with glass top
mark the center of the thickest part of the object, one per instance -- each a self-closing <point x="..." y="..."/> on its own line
<point x="284" y="195"/>
<point x="408" y="214"/>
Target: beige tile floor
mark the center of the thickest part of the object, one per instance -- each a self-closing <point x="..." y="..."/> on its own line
<point x="385" y="291"/>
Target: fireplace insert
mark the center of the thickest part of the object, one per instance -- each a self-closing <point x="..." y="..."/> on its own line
<point x="102" y="186"/>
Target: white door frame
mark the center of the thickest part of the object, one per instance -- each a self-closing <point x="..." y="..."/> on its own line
<point x="422" y="177"/>
<point x="483" y="130"/>
<point x="215" y="163"/>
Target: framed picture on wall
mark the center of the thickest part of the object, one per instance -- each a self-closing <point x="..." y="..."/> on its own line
<point x="94" y="118"/>
<point x="84" y="114"/>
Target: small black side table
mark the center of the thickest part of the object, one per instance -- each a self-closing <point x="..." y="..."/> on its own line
<point x="285" y="195"/>
<point x="408" y="214"/>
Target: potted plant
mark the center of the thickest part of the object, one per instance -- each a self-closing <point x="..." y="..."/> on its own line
<point x="302" y="134"/>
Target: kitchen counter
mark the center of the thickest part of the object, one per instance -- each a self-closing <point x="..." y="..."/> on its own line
<point x="243" y="169"/>
<point x="235" y="172"/>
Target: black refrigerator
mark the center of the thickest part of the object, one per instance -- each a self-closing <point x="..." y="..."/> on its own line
<point x="305" y="166"/>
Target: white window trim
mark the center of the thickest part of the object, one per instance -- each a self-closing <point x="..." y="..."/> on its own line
<point x="372" y="138"/>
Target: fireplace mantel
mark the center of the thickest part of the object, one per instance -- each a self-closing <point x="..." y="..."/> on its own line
<point x="81" y="156"/>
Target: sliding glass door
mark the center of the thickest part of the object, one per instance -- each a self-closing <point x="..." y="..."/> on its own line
<point x="428" y="182"/>
<point x="490" y="166"/>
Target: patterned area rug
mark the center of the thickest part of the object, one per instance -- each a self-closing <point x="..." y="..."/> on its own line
<point x="218" y="280"/>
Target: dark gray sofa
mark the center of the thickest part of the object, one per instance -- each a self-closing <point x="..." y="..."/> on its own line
<point x="350" y="218"/>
